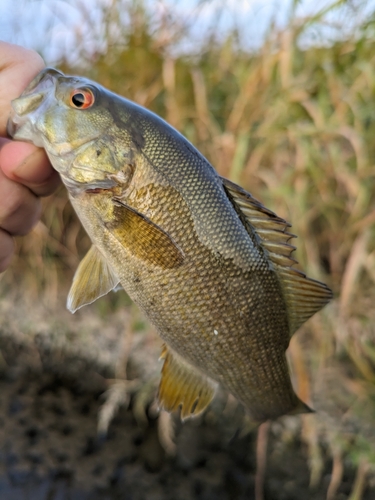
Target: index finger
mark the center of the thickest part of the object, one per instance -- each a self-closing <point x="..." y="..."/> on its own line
<point x="18" y="66"/>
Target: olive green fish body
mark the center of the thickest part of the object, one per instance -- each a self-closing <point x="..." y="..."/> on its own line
<point x="208" y="310"/>
<point x="207" y="263"/>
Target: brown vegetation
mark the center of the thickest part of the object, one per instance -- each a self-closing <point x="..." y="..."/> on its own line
<point x="295" y="126"/>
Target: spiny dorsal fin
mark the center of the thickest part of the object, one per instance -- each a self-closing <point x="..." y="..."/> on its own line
<point x="143" y="238"/>
<point x="93" y="279"/>
<point x="183" y="385"/>
<point x="303" y="296"/>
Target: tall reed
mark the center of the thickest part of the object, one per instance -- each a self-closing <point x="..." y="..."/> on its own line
<point x="292" y="123"/>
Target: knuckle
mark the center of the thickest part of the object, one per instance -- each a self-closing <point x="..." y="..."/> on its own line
<point x="29" y="59"/>
<point x="11" y="205"/>
<point x="19" y="211"/>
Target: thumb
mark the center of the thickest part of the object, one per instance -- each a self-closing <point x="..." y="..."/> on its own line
<point x="18" y="66"/>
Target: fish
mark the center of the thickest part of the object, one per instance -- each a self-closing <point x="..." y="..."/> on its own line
<point x="207" y="263"/>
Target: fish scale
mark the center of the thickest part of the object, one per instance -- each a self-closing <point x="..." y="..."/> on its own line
<point x="186" y="327"/>
<point x="208" y="264"/>
<point x="196" y="180"/>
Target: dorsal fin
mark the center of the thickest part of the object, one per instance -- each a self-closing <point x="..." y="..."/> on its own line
<point x="303" y="296"/>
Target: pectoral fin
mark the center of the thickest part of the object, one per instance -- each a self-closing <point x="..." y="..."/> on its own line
<point x="93" y="279"/>
<point x="183" y="385"/>
<point x="143" y="238"/>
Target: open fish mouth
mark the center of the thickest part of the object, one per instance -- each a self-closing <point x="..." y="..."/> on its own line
<point x="31" y="104"/>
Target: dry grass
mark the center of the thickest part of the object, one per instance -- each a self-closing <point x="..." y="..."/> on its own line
<point x="296" y="128"/>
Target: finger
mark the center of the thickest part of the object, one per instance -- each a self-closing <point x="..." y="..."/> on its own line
<point x="6" y="250"/>
<point x="18" y="66"/>
<point x="28" y="165"/>
<point x="20" y="209"/>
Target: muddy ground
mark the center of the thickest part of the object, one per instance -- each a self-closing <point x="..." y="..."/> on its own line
<point x="50" y="450"/>
<point x="51" y="392"/>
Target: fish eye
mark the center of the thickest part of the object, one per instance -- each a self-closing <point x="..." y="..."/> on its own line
<point x="82" y="98"/>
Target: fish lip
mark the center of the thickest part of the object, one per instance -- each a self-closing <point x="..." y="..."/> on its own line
<point x="29" y="105"/>
<point x="33" y="98"/>
<point x="11" y="127"/>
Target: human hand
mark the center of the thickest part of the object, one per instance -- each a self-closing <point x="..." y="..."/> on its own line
<point x="25" y="172"/>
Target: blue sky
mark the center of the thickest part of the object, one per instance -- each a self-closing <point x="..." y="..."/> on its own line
<point x="66" y="23"/>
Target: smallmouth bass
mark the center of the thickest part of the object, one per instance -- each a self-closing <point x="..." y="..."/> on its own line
<point x="209" y="265"/>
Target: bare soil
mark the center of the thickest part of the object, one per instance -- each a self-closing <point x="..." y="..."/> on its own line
<point x="50" y="449"/>
<point x="52" y="383"/>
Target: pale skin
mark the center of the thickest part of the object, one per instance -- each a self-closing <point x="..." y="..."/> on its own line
<point x="25" y="172"/>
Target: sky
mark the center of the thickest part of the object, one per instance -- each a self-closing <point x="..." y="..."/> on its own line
<point x="55" y="27"/>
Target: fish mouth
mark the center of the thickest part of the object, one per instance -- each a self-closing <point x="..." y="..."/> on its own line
<point x="30" y="104"/>
<point x="22" y="124"/>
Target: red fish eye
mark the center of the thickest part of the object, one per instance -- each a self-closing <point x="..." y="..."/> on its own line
<point x="82" y="98"/>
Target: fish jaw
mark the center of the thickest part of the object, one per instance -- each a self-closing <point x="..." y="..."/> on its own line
<point x="39" y="116"/>
<point x="27" y="110"/>
<point x="28" y="122"/>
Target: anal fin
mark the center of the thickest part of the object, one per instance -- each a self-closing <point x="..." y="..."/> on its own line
<point x="183" y="385"/>
<point x="93" y="279"/>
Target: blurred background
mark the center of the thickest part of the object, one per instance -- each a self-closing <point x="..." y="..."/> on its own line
<point x="279" y="96"/>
